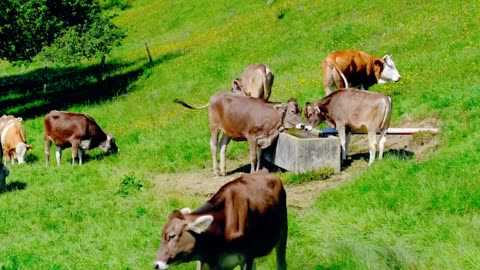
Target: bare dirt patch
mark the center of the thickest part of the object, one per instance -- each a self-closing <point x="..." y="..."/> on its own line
<point x="202" y="183"/>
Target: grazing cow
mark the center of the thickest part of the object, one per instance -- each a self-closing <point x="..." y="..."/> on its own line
<point x="357" y="69"/>
<point x="256" y="81"/>
<point x="13" y="138"/>
<point x="249" y="119"/>
<point x="76" y="130"/>
<point x="245" y="219"/>
<point x="350" y="110"/>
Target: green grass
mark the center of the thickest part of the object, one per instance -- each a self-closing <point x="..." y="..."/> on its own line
<point x="107" y="214"/>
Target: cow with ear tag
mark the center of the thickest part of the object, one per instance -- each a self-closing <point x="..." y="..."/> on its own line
<point x="244" y="220"/>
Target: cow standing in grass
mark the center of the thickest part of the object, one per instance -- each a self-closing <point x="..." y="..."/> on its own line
<point x="245" y="219"/>
<point x="14" y="141"/>
<point x="76" y="130"/>
<point x="256" y="81"/>
<point x="351" y="68"/>
<point x="350" y="110"/>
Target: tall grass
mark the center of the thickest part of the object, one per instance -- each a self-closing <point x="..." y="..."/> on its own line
<point x="107" y="214"/>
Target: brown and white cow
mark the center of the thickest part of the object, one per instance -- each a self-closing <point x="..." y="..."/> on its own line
<point x="14" y="141"/>
<point x="245" y="219"/>
<point x="351" y="68"/>
<point x="256" y="81"/>
<point x="350" y="110"/>
<point x="76" y="130"/>
<point x="242" y="118"/>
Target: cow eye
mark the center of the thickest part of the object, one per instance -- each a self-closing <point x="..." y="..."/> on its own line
<point x="170" y="236"/>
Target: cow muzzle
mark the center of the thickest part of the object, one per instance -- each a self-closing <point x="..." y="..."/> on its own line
<point x="160" y="265"/>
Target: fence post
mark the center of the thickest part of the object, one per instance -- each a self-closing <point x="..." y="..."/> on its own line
<point x="45" y="74"/>
<point x="102" y="69"/>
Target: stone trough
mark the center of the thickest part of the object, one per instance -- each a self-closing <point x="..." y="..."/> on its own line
<point x="301" y="151"/>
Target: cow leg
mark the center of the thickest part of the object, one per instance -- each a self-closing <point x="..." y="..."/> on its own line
<point x="80" y="156"/>
<point x="48" y="144"/>
<point x="281" y="247"/>
<point x="348" y="137"/>
<point x="75" y="147"/>
<point x="259" y="158"/>
<point x="223" y="151"/>
<point x="58" y="155"/>
<point x="213" y="149"/>
<point x="372" y="139"/>
<point x="253" y="154"/>
<point x="341" y="136"/>
<point x="381" y="144"/>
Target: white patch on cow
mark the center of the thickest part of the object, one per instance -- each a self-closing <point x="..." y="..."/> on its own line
<point x="390" y="72"/>
<point x="186" y="210"/>
<point x="300" y="126"/>
<point x="85" y="144"/>
<point x="161" y="265"/>
<point x="10" y="123"/>
<point x="21" y="151"/>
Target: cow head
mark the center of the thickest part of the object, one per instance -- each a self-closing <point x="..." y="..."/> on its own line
<point x="21" y="151"/>
<point x="314" y="115"/>
<point x="109" y="145"/>
<point x="292" y="114"/>
<point x="3" y="175"/>
<point x="388" y="71"/>
<point x="179" y="238"/>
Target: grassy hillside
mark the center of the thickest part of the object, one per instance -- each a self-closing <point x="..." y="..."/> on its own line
<point x="399" y="213"/>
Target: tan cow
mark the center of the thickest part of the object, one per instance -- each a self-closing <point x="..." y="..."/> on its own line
<point x="14" y="141"/>
<point x="242" y="118"/>
<point x="256" y="81"/>
<point x="350" y="110"/>
<point x="245" y="219"/>
<point x="76" y="130"/>
<point x="358" y="69"/>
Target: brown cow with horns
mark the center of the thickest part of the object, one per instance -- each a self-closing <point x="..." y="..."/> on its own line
<point x="245" y="219"/>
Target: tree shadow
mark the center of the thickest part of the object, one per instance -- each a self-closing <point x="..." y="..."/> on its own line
<point x="13" y="186"/>
<point x="24" y="95"/>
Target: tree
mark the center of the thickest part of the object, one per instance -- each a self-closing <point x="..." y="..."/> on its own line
<point x="59" y="31"/>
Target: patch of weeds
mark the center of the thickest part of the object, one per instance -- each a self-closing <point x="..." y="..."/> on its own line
<point x="129" y="185"/>
<point x="298" y="178"/>
<point x="423" y="137"/>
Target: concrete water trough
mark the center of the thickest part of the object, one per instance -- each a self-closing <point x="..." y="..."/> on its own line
<point x="302" y="151"/>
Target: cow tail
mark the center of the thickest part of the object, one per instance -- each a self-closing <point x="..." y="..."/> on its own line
<point x="184" y="104"/>
<point x="341" y="74"/>
<point x="388" y="112"/>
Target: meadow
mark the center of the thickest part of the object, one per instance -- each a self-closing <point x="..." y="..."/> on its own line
<point x="399" y="213"/>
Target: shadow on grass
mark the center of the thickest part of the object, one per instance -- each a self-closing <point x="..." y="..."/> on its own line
<point x="24" y="95"/>
<point x="399" y="153"/>
<point x="13" y="186"/>
<point x="272" y="168"/>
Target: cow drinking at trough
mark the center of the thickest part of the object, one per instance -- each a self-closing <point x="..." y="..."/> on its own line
<point x="242" y="118"/>
<point x="14" y="141"/>
<point x="351" y="68"/>
<point x="256" y="81"/>
<point x="245" y="219"/>
<point x="350" y="110"/>
<point x="76" y="130"/>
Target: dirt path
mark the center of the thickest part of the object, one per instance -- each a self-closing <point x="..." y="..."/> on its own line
<point x="202" y="183"/>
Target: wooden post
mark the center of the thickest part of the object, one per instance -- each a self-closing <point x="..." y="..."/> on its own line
<point x="148" y="53"/>
<point x="45" y="75"/>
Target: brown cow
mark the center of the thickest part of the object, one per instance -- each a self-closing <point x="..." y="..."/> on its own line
<point x="256" y="81"/>
<point x="14" y="140"/>
<point x="249" y="119"/>
<point x="350" y="110"/>
<point x="358" y="69"/>
<point x="76" y="130"/>
<point x="245" y="219"/>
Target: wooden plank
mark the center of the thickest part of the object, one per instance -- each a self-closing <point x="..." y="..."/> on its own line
<point x="390" y="131"/>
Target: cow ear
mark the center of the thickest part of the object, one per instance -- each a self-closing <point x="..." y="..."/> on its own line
<point x="378" y="67"/>
<point x="186" y="210"/>
<point x="280" y="107"/>
<point x="236" y="85"/>
<point x="201" y="224"/>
